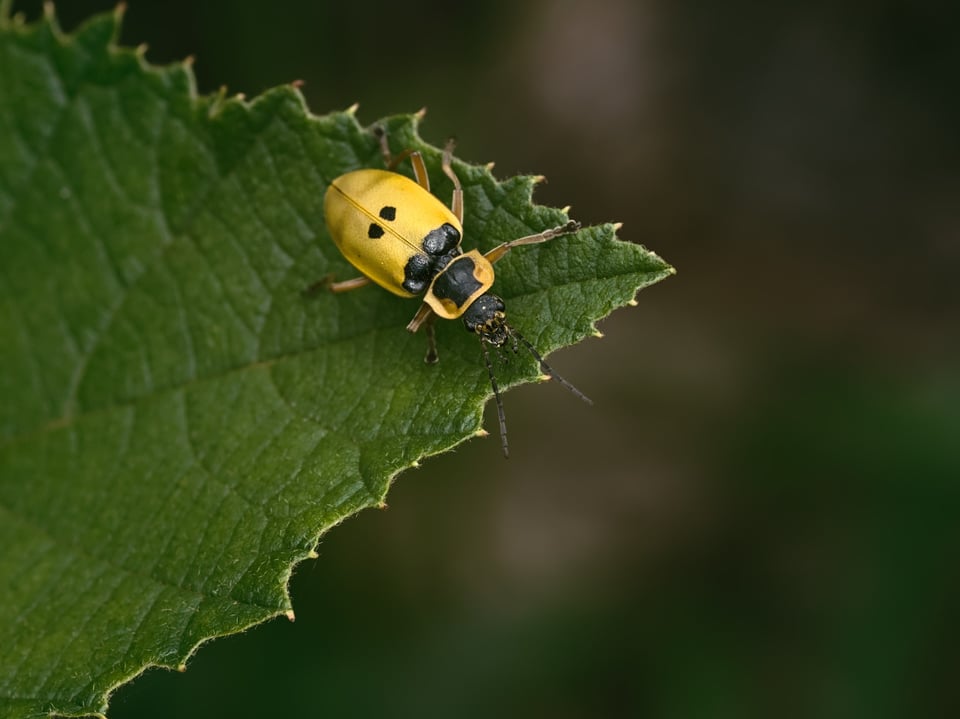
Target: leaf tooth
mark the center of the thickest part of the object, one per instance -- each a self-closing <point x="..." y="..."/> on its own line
<point x="352" y="110"/>
<point x="216" y="101"/>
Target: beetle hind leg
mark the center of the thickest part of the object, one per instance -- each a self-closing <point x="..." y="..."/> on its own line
<point x="328" y="284"/>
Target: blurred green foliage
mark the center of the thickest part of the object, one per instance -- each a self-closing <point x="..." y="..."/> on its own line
<point x="765" y="525"/>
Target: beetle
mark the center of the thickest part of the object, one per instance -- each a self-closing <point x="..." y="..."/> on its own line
<point x="402" y="237"/>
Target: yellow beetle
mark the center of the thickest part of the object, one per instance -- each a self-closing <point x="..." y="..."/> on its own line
<point x="401" y="237"/>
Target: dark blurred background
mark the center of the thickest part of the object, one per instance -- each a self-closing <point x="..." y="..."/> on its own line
<point x="761" y="515"/>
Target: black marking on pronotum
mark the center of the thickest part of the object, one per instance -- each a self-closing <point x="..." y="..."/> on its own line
<point x="457" y="282"/>
<point x="375" y="231"/>
<point x="388" y="213"/>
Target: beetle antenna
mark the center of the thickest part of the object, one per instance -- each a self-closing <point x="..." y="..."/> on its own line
<point x="496" y="393"/>
<point x="547" y="369"/>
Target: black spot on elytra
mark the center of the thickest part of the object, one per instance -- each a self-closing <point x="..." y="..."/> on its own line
<point x="441" y="240"/>
<point x="374" y="231"/>
<point x="388" y="213"/>
<point x="417" y="273"/>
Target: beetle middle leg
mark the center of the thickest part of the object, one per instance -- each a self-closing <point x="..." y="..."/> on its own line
<point x="456" y="202"/>
<point x="416" y="159"/>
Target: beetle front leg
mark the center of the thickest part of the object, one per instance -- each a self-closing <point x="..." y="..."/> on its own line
<point x="500" y="250"/>
<point x="431" y="357"/>
<point x="426" y="316"/>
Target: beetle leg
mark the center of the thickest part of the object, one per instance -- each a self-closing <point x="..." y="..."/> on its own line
<point x="500" y="250"/>
<point x="419" y="169"/>
<point x="456" y="203"/>
<point x="423" y="314"/>
<point x="328" y="284"/>
<point x="347" y="285"/>
<point x="431" y="357"/>
<point x="416" y="159"/>
<point x="381" y="136"/>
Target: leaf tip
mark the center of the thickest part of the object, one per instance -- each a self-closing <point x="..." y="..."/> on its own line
<point x="297" y="84"/>
<point x="598" y="334"/>
<point x="189" y="60"/>
<point x="481" y="433"/>
<point x="313" y="554"/>
<point x="420" y="114"/>
<point x="489" y="166"/>
<point x="566" y="209"/>
<point x="290" y="615"/>
<point x="120" y="10"/>
<point x="617" y="226"/>
<point x="538" y="179"/>
<point x="632" y="303"/>
<point x="382" y="505"/>
<point x="352" y="110"/>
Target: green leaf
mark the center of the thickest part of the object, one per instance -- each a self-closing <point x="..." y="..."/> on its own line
<point x="178" y="423"/>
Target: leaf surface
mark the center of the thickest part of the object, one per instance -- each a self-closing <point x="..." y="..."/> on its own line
<point x="178" y="424"/>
